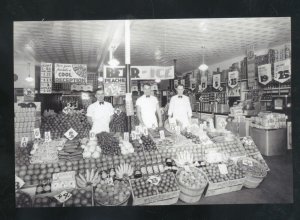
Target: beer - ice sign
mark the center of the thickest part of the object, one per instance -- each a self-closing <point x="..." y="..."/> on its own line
<point x="282" y="70"/>
<point x="264" y="74"/>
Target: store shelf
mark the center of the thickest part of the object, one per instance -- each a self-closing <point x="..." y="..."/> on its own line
<point x="272" y="89"/>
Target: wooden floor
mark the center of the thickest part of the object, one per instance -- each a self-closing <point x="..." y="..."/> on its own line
<point x="277" y="187"/>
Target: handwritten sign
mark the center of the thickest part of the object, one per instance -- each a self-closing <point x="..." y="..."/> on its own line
<point x="24" y="141"/>
<point x="63" y="196"/>
<point x="92" y="135"/>
<point x="248" y="163"/>
<point x="133" y="135"/>
<point x="46" y="78"/>
<point x="162" y="134"/>
<point x="154" y="180"/>
<point x="223" y="169"/>
<point x="145" y="131"/>
<point x="264" y="74"/>
<point x="47" y="136"/>
<point x="71" y="134"/>
<point x="37" y="133"/>
<point x="70" y="73"/>
<point x="282" y="70"/>
<point x="126" y="136"/>
<point x="233" y="78"/>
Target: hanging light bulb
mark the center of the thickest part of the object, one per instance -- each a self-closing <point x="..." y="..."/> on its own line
<point x="203" y="67"/>
<point x="157" y="80"/>
<point x="112" y="61"/>
<point x="100" y="79"/>
<point x="29" y="78"/>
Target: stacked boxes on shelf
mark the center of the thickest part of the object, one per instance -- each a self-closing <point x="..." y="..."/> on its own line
<point x="27" y="117"/>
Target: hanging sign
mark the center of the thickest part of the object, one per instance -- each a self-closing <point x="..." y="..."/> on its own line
<point x="217" y="81"/>
<point x="46" y="78"/>
<point x="114" y="81"/>
<point x="70" y="73"/>
<point x="203" y="84"/>
<point x="282" y="70"/>
<point x="140" y="72"/>
<point x="82" y="87"/>
<point x="233" y="79"/>
<point x="264" y="74"/>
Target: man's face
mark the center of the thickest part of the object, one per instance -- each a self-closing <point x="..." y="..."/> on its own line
<point x="100" y="95"/>
<point x="180" y="90"/>
<point x="147" y="90"/>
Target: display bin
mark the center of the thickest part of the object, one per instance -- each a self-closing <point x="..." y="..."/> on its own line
<point x="270" y="142"/>
<point x="224" y="187"/>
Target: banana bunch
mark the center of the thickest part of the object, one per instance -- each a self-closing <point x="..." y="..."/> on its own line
<point x="184" y="158"/>
<point x="124" y="170"/>
<point x="90" y="178"/>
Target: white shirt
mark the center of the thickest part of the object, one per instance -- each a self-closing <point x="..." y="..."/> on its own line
<point x="181" y="109"/>
<point x="148" y="110"/>
<point x="100" y="115"/>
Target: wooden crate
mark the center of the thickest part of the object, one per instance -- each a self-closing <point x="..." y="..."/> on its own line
<point x="224" y="187"/>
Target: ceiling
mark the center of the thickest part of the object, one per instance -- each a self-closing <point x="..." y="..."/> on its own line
<point x="153" y="42"/>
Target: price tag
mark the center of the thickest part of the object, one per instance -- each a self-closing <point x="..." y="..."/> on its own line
<point x="63" y="196"/>
<point x="47" y="136"/>
<point x="92" y="135"/>
<point x="138" y="129"/>
<point x="162" y="134"/>
<point x="71" y="134"/>
<point x="126" y="136"/>
<point x="248" y="163"/>
<point x="177" y="129"/>
<point x="223" y="169"/>
<point x="24" y="141"/>
<point x="66" y="110"/>
<point x="145" y="131"/>
<point x="154" y="180"/>
<point x="19" y="181"/>
<point x="133" y="135"/>
<point x="172" y="123"/>
<point x="110" y="181"/>
<point x="37" y="133"/>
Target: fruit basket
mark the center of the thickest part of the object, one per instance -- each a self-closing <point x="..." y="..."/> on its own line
<point x="255" y="172"/>
<point x="23" y="200"/>
<point x="260" y="159"/>
<point x="116" y="194"/>
<point x="223" y="183"/>
<point x="166" y="192"/>
<point x="82" y="197"/>
<point x="192" y="183"/>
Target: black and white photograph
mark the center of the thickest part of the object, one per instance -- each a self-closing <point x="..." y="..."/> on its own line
<point x="153" y="112"/>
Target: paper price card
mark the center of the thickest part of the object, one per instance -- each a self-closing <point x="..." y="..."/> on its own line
<point x="66" y="110"/>
<point x="133" y="135"/>
<point x="248" y="163"/>
<point x="154" y="180"/>
<point x="37" y="133"/>
<point x="162" y="134"/>
<point x="19" y="182"/>
<point x="223" y="169"/>
<point x="24" y="141"/>
<point x="92" y="135"/>
<point x="126" y="136"/>
<point x="71" y="134"/>
<point x="172" y="123"/>
<point x="47" y="136"/>
<point x="177" y="129"/>
<point x="138" y="129"/>
<point x="63" y="196"/>
<point x="188" y="129"/>
<point x="145" y="131"/>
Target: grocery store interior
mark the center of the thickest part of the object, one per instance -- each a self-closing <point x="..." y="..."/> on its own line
<point x="235" y="148"/>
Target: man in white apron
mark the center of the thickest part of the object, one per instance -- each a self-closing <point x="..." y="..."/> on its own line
<point x="147" y="106"/>
<point x="100" y="113"/>
<point x="180" y="108"/>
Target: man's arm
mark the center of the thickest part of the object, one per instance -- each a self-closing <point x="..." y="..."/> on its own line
<point x="170" y="111"/>
<point x="160" y="123"/>
<point x="139" y="115"/>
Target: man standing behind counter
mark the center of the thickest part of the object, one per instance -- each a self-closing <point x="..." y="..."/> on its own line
<point x="100" y="113"/>
<point x="147" y="106"/>
<point x="180" y="108"/>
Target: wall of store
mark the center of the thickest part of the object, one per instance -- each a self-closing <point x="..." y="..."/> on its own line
<point x="227" y="63"/>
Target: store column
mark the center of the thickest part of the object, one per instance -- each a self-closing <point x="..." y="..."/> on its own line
<point x="127" y="67"/>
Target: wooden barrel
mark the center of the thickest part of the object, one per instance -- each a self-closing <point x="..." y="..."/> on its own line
<point x="191" y="195"/>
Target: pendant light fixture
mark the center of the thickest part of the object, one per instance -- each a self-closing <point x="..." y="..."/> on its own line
<point x="203" y="67"/>
<point x="29" y="78"/>
<point x="112" y="61"/>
